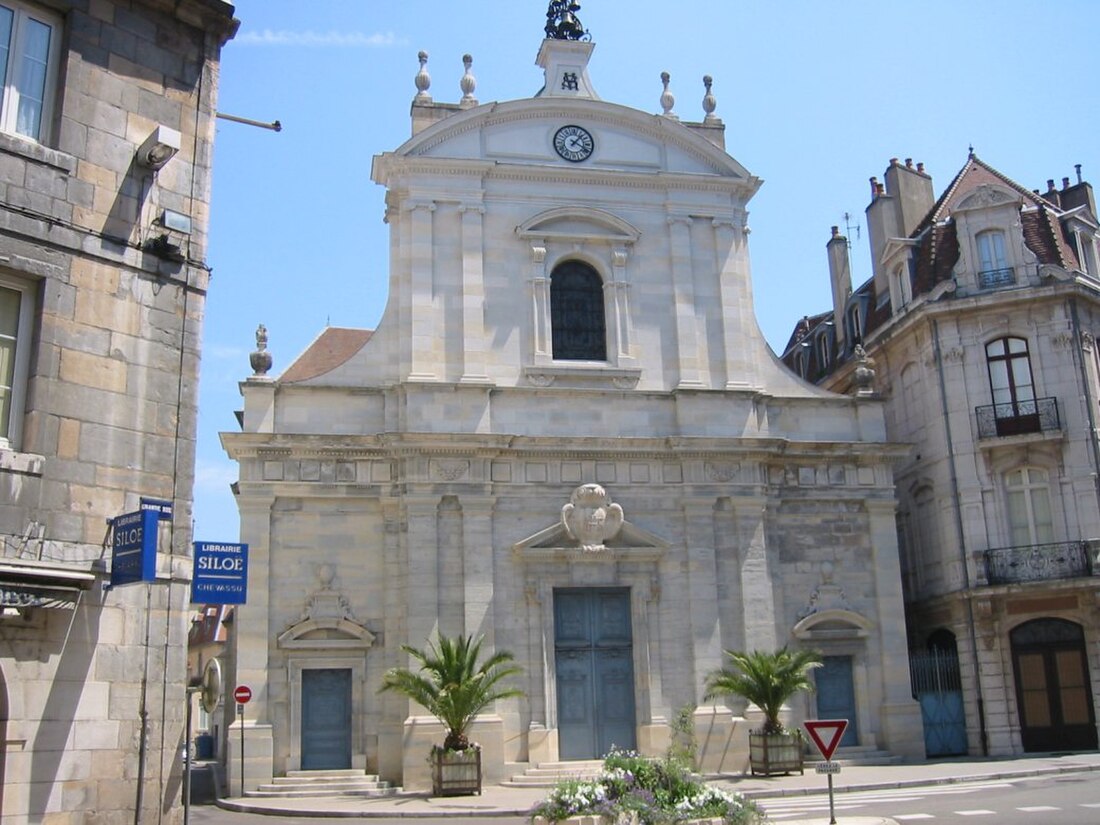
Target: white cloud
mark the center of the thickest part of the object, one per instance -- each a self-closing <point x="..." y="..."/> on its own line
<point x="268" y="37"/>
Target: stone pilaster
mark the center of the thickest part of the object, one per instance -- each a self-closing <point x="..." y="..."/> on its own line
<point x="683" y="297"/>
<point x="757" y="594"/>
<point x="423" y="334"/>
<point x="473" y="296"/>
<point x="738" y="325"/>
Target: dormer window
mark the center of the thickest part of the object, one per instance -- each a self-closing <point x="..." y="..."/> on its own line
<point x="577" y="319"/>
<point x="1086" y="249"/>
<point x="993" y="268"/>
<point x="901" y="290"/>
<point x="823" y="352"/>
<point x="854" y="323"/>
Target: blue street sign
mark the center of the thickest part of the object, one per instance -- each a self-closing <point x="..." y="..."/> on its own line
<point x="221" y="573"/>
<point x="162" y="508"/>
<point x="134" y="548"/>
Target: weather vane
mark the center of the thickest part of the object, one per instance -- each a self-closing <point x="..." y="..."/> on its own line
<point x="562" y="22"/>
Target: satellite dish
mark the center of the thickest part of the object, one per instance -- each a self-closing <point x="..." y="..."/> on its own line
<point x="211" y="690"/>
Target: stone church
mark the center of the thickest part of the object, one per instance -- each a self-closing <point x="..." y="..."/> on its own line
<point x="568" y="435"/>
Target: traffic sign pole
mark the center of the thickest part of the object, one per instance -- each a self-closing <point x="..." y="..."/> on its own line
<point x="832" y="811"/>
<point x="242" y="693"/>
<point x="826" y="734"/>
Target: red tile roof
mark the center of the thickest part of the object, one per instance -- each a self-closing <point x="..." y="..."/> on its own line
<point x="333" y="347"/>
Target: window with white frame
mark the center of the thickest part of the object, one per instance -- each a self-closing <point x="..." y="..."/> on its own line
<point x="29" y="49"/>
<point x="993" y="268"/>
<point x="1027" y="493"/>
<point x="1086" y="246"/>
<point x="16" y="319"/>
<point x="900" y="286"/>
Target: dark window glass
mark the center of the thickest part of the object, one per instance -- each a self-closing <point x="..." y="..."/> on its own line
<point x="577" y="314"/>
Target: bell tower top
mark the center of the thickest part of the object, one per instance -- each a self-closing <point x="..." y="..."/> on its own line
<point x="565" y="52"/>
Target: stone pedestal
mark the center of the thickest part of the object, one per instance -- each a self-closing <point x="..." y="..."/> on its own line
<point x="723" y="741"/>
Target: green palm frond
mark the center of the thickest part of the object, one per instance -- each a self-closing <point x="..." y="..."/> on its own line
<point x="766" y="679"/>
<point x="452" y="684"/>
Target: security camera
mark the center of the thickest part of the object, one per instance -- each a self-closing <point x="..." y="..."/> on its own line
<point x="159" y="148"/>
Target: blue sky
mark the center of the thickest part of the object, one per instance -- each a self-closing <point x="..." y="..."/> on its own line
<point x="816" y="98"/>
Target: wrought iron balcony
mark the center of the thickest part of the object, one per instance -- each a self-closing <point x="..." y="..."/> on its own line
<point x="990" y="278"/>
<point x="1018" y="417"/>
<point x="1039" y="562"/>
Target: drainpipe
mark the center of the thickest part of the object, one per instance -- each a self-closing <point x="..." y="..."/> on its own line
<point x="1088" y="400"/>
<point x="983" y="735"/>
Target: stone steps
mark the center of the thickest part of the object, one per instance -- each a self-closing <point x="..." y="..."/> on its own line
<point x="314" y="784"/>
<point x="861" y="755"/>
<point x="548" y="774"/>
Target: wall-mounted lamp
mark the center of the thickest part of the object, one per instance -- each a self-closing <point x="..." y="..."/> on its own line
<point x="159" y="148"/>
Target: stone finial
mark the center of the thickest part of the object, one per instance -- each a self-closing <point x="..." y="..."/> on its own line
<point x="864" y="375"/>
<point x="423" y="80"/>
<point x="261" y="358"/>
<point x="590" y="518"/>
<point x="668" y="100"/>
<point x="709" y="101"/>
<point x="467" y="84"/>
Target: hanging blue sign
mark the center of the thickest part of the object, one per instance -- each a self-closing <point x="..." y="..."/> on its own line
<point x="134" y="548"/>
<point x="221" y="573"/>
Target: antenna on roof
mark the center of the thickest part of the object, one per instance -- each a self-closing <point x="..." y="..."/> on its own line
<point x="848" y="229"/>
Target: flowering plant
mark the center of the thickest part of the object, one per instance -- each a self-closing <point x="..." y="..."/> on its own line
<point x="650" y="791"/>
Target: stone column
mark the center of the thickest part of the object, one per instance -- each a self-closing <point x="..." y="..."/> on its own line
<point x="427" y="349"/>
<point x="902" y="728"/>
<point x="540" y="305"/>
<point x="738" y="326"/>
<point x="757" y="588"/>
<point x="253" y="635"/>
<point x="683" y="289"/>
<point x="620" y="303"/>
<point x="475" y="345"/>
<point x="653" y="731"/>
<point x="392" y="707"/>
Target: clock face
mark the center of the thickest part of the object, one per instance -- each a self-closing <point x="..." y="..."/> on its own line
<point x="574" y="143"/>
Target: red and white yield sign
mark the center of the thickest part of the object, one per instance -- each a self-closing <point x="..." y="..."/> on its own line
<point x="826" y="734"/>
<point x="243" y="693"/>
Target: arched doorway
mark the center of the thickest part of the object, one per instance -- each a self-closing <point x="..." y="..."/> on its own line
<point x="1053" y="690"/>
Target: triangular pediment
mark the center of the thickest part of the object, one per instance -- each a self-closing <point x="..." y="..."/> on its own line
<point x="554" y="542"/>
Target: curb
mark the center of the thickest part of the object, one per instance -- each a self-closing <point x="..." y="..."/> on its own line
<point x="780" y="793"/>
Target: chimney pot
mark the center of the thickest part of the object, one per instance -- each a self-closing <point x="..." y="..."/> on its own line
<point x="874" y="186"/>
<point x="1077" y="166"/>
<point x="1050" y="184"/>
<point x="920" y="167"/>
<point x="908" y="163"/>
<point x="893" y="161"/>
<point x="836" y="231"/>
<point x="1065" y="183"/>
<point x="881" y="190"/>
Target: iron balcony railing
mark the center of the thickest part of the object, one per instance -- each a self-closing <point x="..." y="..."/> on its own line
<point x="989" y="278"/>
<point x="1039" y="562"/>
<point x="1039" y="415"/>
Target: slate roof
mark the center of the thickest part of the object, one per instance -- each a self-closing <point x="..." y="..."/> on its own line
<point x="333" y="347"/>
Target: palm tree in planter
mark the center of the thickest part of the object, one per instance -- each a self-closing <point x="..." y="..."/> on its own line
<point x="453" y="686"/>
<point x="768" y="680"/>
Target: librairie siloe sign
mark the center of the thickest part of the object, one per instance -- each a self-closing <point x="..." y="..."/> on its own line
<point x="220" y="574"/>
<point x="134" y="548"/>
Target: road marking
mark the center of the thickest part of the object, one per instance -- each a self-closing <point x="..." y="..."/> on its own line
<point x="978" y="812"/>
<point x="913" y="816"/>
<point x="1090" y="804"/>
<point x="1037" y="809"/>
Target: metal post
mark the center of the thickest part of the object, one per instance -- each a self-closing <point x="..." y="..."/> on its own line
<point x="187" y="764"/>
<point x="240" y="719"/>
<point x="832" y="812"/>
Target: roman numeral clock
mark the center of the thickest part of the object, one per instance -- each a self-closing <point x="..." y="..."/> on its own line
<point x="574" y="143"/>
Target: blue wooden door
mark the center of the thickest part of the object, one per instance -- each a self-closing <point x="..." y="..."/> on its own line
<point x="836" y="695"/>
<point x="593" y="648"/>
<point x="326" y="719"/>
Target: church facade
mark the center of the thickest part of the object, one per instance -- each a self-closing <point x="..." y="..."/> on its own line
<point x="566" y="435"/>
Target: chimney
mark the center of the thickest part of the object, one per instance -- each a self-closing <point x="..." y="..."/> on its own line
<point x="1051" y="195"/>
<point x="840" y="275"/>
<point x="1080" y="194"/>
<point x="912" y="191"/>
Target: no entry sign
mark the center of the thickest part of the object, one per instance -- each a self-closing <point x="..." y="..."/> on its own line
<point x="242" y="693"/>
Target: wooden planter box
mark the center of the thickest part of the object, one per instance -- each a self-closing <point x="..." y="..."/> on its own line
<point x="771" y="753"/>
<point x="456" y="773"/>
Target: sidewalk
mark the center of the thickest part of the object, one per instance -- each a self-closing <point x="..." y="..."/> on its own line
<point x="516" y="802"/>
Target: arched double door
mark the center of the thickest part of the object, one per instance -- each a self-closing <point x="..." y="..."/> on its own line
<point x="1053" y="689"/>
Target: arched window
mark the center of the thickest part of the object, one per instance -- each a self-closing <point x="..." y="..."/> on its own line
<point x="1027" y="493"/>
<point x="823" y="353"/>
<point x="901" y="288"/>
<point x="577" y="322"/>
<point x="855" y="325"/>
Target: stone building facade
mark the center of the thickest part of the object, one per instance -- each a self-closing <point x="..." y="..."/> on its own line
<point x="106" y="136"/>
<point x="980" y="320"/>
<point x="569" y="330"/>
